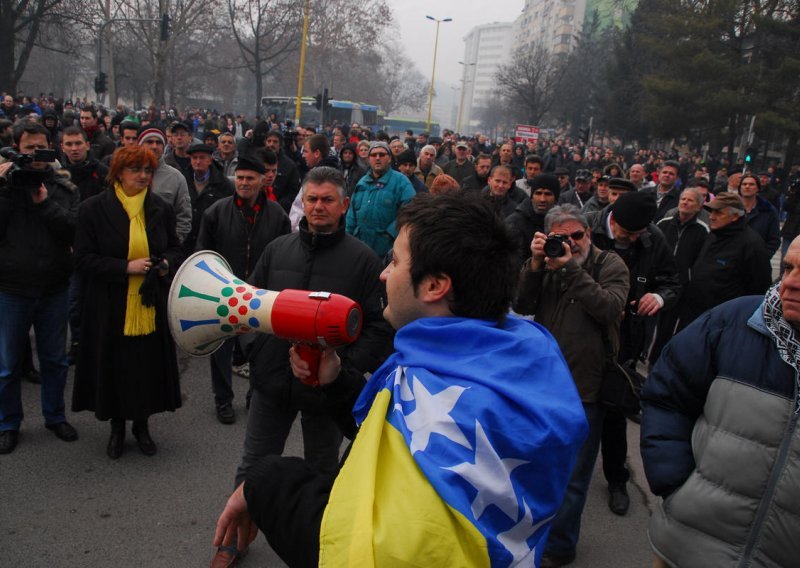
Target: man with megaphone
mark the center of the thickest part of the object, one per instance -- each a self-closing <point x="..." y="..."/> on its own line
<point x="466" y="435"/>
<point x="319" y="257"/>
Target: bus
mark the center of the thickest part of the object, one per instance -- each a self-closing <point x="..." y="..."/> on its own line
<point x="341" y="112"/>
<point x="395" y="126"/>
<point x="284" y="109"/>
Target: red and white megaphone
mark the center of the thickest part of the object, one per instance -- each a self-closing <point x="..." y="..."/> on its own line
<point x="208" y="304"/>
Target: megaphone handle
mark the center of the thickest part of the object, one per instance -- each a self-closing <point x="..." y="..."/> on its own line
<point x="310" y="355"/>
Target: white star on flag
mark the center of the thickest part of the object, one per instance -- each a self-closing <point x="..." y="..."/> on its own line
<point x="516" y="538"/>
<point x="491" y="476"/>
<point x="431" y="414"/>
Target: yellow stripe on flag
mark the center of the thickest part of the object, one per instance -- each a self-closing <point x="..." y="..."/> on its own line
<point x="382" y="510"/>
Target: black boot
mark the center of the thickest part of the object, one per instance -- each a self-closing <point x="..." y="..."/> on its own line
<point x="116" y="443"/>
<point x="146" y="444"/>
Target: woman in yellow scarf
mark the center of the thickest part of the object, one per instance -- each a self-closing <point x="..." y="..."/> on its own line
<point x="126" y="367"/>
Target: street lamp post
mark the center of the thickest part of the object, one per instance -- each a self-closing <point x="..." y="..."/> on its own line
<point x="299" y="101"/>
<point x="433" y="73"/>
<point x="463" y="88"/>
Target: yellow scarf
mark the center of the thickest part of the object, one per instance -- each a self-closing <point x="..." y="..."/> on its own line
<point x="139" y="319"/>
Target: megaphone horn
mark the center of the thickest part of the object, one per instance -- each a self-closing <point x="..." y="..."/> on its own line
<point x="208" y="304"/>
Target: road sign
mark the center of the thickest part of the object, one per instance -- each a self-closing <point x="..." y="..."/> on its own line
<point x="526" y="133"/>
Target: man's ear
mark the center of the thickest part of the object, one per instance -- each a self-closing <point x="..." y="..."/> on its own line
<point x="435" y="288"/>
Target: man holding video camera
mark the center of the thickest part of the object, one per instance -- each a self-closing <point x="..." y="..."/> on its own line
<point x="37" y="225"/>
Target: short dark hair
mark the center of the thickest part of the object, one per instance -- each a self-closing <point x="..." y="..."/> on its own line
<point x="325" y="174"/>
<point x="128" y="125"/>
<point x="267" y="156"/>
<point x="483" y="156"/>
<point x="28" y="127"/>
<point x="75" y="130"/>
<point x="500" y="167"/>
<point x="319" y="143"/>
<point x="671" y="164"/>
<point x="459" y="235"/>
<point x="91" y="109"/>
<point x="534" y="159"/>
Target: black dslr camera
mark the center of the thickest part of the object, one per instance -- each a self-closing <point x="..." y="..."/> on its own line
<point x="21" y="174"/>
<point x="554" y="246"/>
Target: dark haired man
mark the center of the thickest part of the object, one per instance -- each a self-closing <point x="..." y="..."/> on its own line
<point x="528" y="218"/>
<point x="533" y="167"/>
<point x="436" y="472"/>
<point x="37" y="227"/>
<point x="476" y="182"/>
<point x="667" y="192"/>
<point x="287" y="184"/>
<point x="102" y="145"/>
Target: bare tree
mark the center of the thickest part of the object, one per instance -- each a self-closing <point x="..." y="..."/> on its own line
<point x="267" y="32"/>
<point x="531" y="82"/>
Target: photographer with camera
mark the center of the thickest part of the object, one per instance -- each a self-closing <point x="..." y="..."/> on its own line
<point x="37" y="226"/>
<point x="578" y="293"/>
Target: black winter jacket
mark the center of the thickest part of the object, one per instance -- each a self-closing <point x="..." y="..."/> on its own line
<point x="226" y="231"/>
<point x="35" y="240"/>
<point x="523" y="223"/>
<point x="334" y="262"/>
<point x="218" y="187"/>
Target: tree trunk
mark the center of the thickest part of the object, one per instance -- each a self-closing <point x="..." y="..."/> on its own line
<point x="8" y="81"/>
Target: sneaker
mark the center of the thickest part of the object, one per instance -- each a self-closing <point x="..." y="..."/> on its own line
<point x="556" y="560"/>
<point x="618" y="500"/>
<point x="225" y="413"/>
<point x="242" y="370"/>
<point x="8" y="441"/>
<point x="32" y="376"/>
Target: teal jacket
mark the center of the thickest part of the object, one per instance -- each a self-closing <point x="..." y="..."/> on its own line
<point x="373" y="209"/>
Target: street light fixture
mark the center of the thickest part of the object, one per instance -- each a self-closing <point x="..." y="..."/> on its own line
<point x="463" y="88"/>
<point x="433" y="73"/>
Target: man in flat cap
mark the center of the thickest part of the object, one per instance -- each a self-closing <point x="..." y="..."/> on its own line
<point x="238" y="226"/>
<point x="733" y="262"/>
<point x="208" y="184"/>
<point x="628" y="231"/>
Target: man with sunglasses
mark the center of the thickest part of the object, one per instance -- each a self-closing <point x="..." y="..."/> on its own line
<point x="376" y="201"/>
<point x="578" y="295"/>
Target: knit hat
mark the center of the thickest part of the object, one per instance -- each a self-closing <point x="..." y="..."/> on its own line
<point x="634" y="211"/>
<point x="375" y="145"/>
<point x="151" y="133"/>
<point x="252" y="164"/>
<point x="406" y="157"/>
<point x="545" y="181"/>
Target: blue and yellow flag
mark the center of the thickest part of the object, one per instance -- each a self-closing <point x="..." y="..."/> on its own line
<point x="468" y="434"/>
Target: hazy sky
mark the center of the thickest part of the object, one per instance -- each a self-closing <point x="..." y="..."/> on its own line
<point x="417" y="33"/>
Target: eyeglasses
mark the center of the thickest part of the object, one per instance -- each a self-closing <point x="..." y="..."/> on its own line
<point x="379" y="155"/>
<point x="576" y="236"/>
<point x="139" y="169"/>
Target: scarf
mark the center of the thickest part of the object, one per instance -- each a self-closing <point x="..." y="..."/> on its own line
<point x="784" y="335"/>
<point x="250" y="214"/>
<point x="139" y="319"/>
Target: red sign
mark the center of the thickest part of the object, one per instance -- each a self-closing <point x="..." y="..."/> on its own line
<point x="526" y="133"/>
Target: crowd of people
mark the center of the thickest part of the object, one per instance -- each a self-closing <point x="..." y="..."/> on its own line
<point x="497" y="280"/>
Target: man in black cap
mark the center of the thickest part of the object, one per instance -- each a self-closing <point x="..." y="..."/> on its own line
<point x="733" y="262"/>
<point x="581" y="193"/>
<point x="563" y="178"/>
<point x="528" y="218"/>
<point x="628" y="231"/>
<point x="406" y="163"/>
<point x="238" y="227"/>
<point x="206" y="186"/>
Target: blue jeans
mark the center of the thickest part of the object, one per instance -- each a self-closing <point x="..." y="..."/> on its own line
<point x="48" y="315"/>
<point x="268" y="426"/>
<point x="566" y="526"/>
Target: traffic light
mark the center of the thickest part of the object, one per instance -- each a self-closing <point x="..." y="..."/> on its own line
<point x="583" y="134"/>
<point x="165" y="29"/>
<point x="325" y="98"/>
<point x="100" y="84"/>
<point x="750" y="155"/>
<point x="318" y="101"/>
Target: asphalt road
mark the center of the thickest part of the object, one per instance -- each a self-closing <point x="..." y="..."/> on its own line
<point x="67" y="505"/>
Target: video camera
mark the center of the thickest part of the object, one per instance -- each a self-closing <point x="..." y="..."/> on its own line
<point x="22" y="175"/>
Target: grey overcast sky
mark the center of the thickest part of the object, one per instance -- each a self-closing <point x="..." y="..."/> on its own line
<point x="417" y="33"/>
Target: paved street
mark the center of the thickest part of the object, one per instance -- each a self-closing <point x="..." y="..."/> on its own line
<point x="69" y="506"/>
